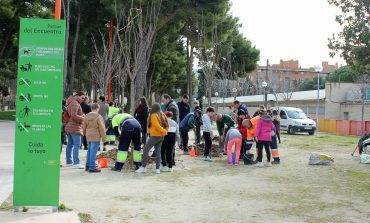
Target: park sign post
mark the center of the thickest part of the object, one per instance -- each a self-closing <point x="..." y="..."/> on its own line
<point x="38" y="112"/>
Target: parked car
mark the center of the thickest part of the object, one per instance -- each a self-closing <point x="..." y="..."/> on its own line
<point x="295" y="120"/>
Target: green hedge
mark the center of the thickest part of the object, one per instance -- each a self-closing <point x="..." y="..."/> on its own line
<point x="7" y="115"/>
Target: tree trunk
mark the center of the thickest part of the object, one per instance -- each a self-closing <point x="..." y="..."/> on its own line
<point x="132" y="95"/>
<point x="363" y="91"/>
<point x="151" y="72"/>
<point x="66" y="17"/>
<point x="6" y="40"/>
<point x="189" y="71"/>
<point x="122" y="94"/>
<point x="74" y="50"/>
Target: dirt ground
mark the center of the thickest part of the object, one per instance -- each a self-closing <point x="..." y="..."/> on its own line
<point x="198" y="191"/>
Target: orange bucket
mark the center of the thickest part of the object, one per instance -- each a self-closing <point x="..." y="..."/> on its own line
<point x="192" y="152"/>
<point x="103" y="162"/>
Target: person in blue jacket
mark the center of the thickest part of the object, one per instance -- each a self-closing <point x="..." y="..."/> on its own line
<point x="186" y="125"/>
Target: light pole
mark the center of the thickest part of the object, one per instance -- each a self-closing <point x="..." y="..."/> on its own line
<point x="264" y="85"/>
<point x="203" y="101"/>
<point x="216" y="94"/>
<point x="318" y="70"/>
<point x="234" y="90"/>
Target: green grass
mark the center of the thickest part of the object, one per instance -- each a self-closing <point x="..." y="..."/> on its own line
<point x="7" y="115"/>
<point x="319" y="142"/>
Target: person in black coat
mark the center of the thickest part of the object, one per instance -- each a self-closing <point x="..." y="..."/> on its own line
<point x="86" y="109"/>
<point x="198" y="124"/>
<point x="184" y="107"/>
<point x="141" y="115"/>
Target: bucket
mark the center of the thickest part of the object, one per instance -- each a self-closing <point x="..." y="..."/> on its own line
<point x="103" y="162"/>
<point x="192" y="152"/>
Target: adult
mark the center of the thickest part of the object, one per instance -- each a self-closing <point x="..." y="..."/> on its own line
<point x="198" y="124"/>
<point x="141" y="114"/>
<point x="110" y="136"/>
<point x="224" y="122"/>
<point x="184" y="107"/>
<point x="240" y="107"/>
<point x="86" y="109"/>
<point x="130" y="132"/>
<point x="186" y="125"/>
<point x="103" y="110"/>
<point x="112" y="110"/>
<point x="74" y="129"/>
<point x="170" y="105"/>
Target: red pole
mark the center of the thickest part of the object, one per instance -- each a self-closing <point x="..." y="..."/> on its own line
<point x="110" y="30"/>
<point x="58" y="9"/>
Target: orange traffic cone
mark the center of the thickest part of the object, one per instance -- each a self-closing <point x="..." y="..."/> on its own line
<point x="192" y="152"/>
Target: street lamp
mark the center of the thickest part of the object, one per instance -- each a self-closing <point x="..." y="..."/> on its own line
<point x="318" y="70"/>
<point x="216" y="94"/>
<point x="264" y="86"/>
<point x="203" y="101"/>
<point x="234" y="90"/>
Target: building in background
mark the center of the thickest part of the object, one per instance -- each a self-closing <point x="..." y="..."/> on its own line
<point x="344" y="101"/>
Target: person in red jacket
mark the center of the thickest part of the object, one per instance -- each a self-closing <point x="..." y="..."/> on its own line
<point x="74" y="129"/>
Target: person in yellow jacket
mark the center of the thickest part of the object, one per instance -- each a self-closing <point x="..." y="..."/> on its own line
<point x="112" y="110"/>
<point x="157" y="129"/>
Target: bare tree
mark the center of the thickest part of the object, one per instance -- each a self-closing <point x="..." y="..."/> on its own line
<point x="282" y="89"/>
<point x="364" y="81"/>
<point x="120" y="73"/>
<point x="208" y="57"/>
<point x="136" y="43"/>
<point x="103" y="63"/>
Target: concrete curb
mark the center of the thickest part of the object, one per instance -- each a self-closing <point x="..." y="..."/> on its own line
<point x="62" y="217"/>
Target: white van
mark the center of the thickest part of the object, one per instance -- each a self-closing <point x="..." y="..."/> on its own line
<point x="295" y="120"/>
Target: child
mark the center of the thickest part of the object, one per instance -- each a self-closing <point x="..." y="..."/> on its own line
<point x="157" y="129"/>
<point x="94" y="130"/>
<point x="248" y="132"/>
<point x="275" y="137"/>
<point x="232" y="145"/>
<point x="207" y="132"/>
<point x="168" y="144"/>
<point x="263" y="138"/>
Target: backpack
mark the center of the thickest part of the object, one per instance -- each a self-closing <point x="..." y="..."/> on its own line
<point x="65" y="117"/>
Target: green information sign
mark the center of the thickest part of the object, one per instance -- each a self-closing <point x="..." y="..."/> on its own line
<point x="39" y="108"/>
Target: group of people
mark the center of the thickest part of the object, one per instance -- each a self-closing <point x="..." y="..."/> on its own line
<point x="162" y="127"/>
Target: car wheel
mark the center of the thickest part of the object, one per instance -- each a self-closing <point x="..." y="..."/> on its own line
<point x="290" y="130"/>
<point x="311" y="133"/>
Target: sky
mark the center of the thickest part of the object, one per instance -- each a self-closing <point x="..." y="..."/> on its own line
<point x="289" y="29"/>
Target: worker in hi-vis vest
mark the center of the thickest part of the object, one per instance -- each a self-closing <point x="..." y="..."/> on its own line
<point x="130" y="131"/>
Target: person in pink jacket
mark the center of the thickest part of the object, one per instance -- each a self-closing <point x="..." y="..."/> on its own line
<point x="264" y="131"/>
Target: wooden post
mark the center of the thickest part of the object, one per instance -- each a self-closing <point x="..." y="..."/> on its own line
<point x="58" y="9"/>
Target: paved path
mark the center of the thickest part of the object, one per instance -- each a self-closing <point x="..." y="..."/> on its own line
<point x="6" y="159"/>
